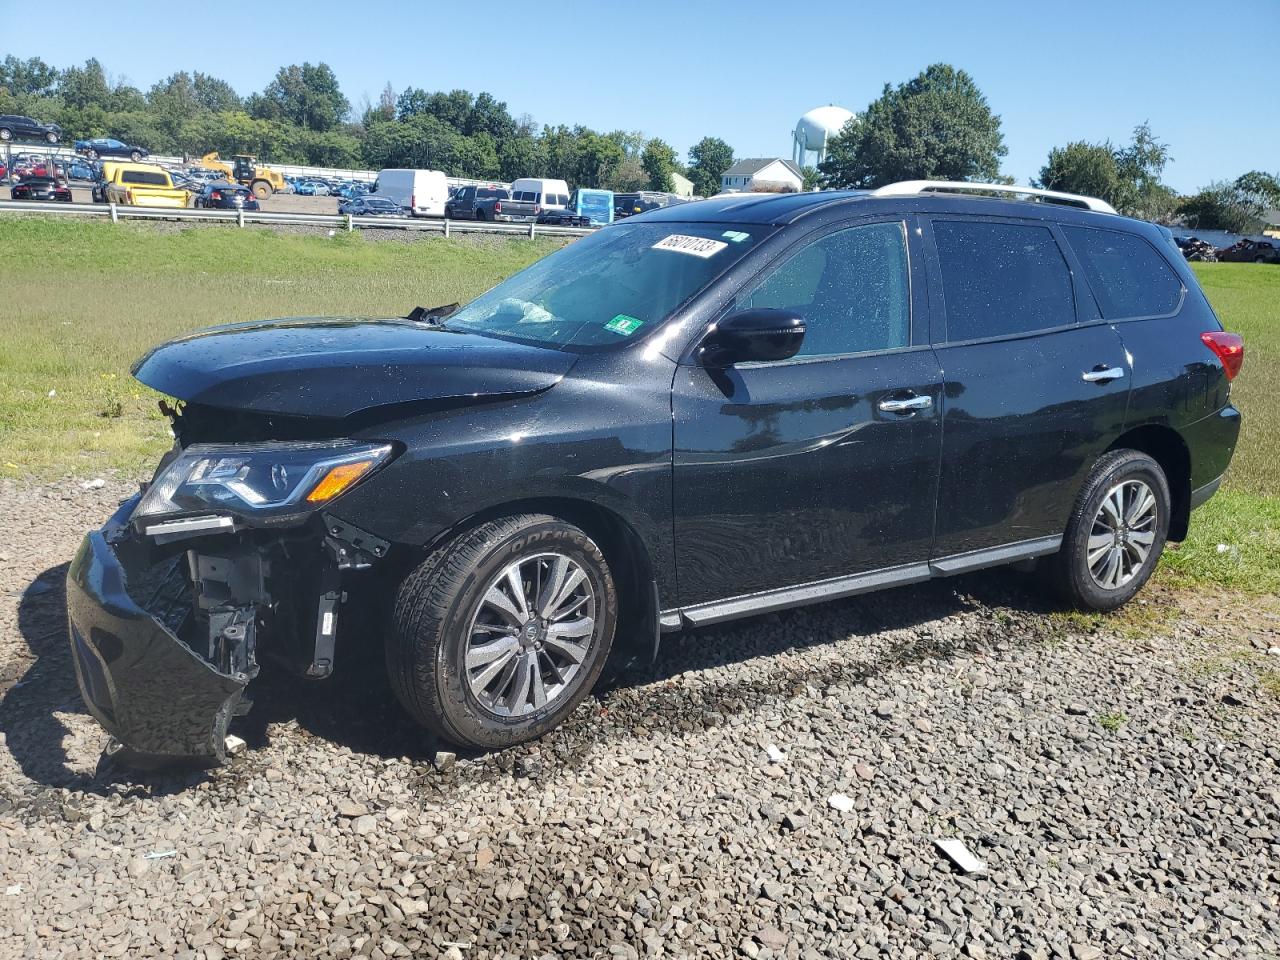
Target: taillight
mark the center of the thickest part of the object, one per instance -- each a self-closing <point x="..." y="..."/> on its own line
<point x="537" y="209"/>
<point x="1228" y="347"/>
<point x="216" y="195"/>
<point x="413" y="201"/>
<point x="497" y="206"/>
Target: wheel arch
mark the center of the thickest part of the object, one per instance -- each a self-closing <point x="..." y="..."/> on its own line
<point x="1166" y="447"/>
<point x="625" y="550"/>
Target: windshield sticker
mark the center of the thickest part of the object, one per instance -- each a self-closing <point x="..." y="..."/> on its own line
<point x="697" y="246"/>
<point x="624" y="325"/>
<point x="737" y="236"/>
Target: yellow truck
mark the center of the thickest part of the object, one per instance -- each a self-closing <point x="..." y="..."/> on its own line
<point x="141" y="185"/>
<point x="263" y="181"/>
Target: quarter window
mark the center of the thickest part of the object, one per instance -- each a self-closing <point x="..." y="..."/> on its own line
<point x="851" y="287"/>
<point x="1127" y="276"/>
<point x="1002" y="278"/>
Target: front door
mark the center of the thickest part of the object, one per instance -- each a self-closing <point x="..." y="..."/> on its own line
<point x="1036" y="384"/>
<point x="826" y="464"/>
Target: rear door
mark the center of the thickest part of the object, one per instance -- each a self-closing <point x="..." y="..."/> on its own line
<point x="1036" y="384"/>
<point x="824" y="465"/>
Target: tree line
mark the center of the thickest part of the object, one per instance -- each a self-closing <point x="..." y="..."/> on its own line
<point x="303" y="117"/>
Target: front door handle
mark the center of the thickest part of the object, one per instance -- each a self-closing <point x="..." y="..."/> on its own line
<point x="1103" y="375"/>
<point x="906" y="405"/>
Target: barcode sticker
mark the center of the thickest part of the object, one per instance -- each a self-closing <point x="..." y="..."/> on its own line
<point x="696" y="246"/>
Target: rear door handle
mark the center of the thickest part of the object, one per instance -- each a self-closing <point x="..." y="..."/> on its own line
<point x="1103" y="375"/>
<point x="906" y="405"/>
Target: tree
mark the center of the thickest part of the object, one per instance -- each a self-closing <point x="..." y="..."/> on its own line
<point x="85" y="86"/>
<point x="27" y="78"/>
<point x="520" y="157"/>
<point x="709" y="158"/>
<point x="935" y="127"/>
<point x="659" y="162"/>
<point x="307" y="95"/>
<point x="1236" y="207"/>
<point x="598" y="159"/>
<point x="1128" y="177"/>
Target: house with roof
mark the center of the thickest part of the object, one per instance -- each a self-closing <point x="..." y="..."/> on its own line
<point x="762" y="174"/>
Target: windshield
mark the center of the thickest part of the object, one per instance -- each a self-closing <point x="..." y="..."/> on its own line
<point x="609" y="287"/>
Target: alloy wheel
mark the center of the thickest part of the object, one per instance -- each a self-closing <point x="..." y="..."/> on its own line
<point x="530" y="634"/>
<point x="1123" y="532"/>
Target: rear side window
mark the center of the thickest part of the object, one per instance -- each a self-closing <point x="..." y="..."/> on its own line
<point x="851" y="287"/>
<point x="144" y="177"/>
<point x="1127" y="276"/>
<point x="1002" y="278"/>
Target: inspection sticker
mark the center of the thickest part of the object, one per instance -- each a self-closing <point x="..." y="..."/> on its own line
<point x="624" y="325"/>
<point x="697" y="246"/>
<point x="737" y="236"/>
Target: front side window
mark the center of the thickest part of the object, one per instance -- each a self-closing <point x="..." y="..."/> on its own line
<point x="1000" y="279"/>
<point x="1127" y="276"/>
<point x="852" y="287"/>
<point x="609" y="287"/>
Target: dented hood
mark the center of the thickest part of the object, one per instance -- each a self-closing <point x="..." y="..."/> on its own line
<point x="332" y="367"/>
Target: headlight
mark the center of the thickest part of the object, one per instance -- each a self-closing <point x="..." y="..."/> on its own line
<point x="268" y="480"/>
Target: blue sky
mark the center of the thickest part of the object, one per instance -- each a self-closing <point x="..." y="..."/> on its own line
<point x="743" y="71"/>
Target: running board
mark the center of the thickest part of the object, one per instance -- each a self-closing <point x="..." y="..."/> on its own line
<point x="769" y="601"/>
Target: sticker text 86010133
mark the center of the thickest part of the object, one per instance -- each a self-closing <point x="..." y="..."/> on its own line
<point x="696" y="246"/>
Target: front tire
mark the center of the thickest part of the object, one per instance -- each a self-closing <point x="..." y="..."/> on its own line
<point x="1116" y="533"/>
<point x="500" y="633"/>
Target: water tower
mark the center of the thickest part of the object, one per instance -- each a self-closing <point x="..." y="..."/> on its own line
<point x="815" y="130"/>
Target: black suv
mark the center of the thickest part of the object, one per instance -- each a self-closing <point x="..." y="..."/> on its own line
<point x="709" y="411"/>
<point x="15" y="127"/>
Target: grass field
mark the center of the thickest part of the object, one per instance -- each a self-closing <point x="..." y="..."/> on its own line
<point x="81" y="301"/>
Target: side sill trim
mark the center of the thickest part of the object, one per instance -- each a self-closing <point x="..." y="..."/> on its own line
<point x="1199" y="496"/>
<point x="784" y="598"/>
<point x="781" y="599"/>
<point x="994" y="556"/>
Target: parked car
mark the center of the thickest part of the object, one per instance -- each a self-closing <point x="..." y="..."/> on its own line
<point x="80" y="170"/>
<point x="1250" y="251"/>
<point x="488" y="203"/>
<point x="707" y="412"/>
<point x="141" y="185"/>
<point x="40" y="188"/>
<point x="372" y="207"/>
<point x="226" y="196"/>
<point x="16" y="127"/>
<point x="313" y="188"/>
<point x="108" y="147"/>
<point x="543" y="193"/>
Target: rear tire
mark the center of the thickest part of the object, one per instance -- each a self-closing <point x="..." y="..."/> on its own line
<point x="51" y="137"/>
<point x="135" y="156"/>
<point x="6" y="134"/>
<point x="261" y="189"/>
<point x="1116" y="533"/>
<point x="458" y="661"/>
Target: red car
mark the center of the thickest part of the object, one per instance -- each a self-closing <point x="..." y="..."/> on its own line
<point x="40" y="188"/>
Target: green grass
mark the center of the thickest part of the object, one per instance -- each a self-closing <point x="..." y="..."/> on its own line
<point x="1246" y="297"/>
<point x="1113" y="721"/>
<point x="81" y="301"/>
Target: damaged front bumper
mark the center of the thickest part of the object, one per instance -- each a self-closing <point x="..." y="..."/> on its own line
<point x="165" y="627"/>
<point x="146" y="687"/>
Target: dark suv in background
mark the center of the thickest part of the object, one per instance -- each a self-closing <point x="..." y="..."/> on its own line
<point x="709" y="411"/>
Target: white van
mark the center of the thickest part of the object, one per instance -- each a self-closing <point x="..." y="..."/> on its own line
<point x="546" y="194"/>
<point x="422" y="192"/>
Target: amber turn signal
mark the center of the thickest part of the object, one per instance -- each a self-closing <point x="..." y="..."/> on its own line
<point x="338" y="479"/>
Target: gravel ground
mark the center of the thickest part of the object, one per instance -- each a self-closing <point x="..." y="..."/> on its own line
<point x="1120" y="785"/>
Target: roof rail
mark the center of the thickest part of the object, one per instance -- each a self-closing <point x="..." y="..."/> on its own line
<point x="911" y="188"/>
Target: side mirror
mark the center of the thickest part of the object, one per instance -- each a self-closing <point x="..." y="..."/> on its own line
<point x="764" y="334"/>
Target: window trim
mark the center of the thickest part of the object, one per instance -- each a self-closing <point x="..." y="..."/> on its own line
<point x="939" y="328"/>
<point x="1182" y="285"/>
<point x="914" y="282"/>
